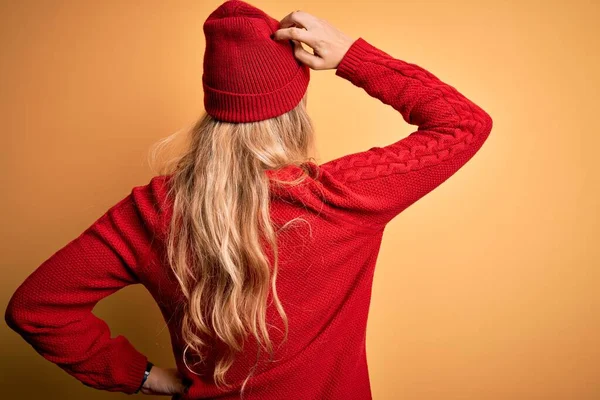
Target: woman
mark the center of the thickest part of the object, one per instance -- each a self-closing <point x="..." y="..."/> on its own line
<point x="249" y="247"/>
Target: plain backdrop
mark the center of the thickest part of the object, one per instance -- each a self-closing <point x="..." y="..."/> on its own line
<point x="487" y="288"/>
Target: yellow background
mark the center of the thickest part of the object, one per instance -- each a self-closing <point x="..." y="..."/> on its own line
<point x="487" y="288"/>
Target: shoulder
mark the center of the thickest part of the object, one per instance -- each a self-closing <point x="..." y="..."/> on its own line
<point x="152" y="204"/>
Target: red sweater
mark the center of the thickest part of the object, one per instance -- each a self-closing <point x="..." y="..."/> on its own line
<point x="326" y="269"/>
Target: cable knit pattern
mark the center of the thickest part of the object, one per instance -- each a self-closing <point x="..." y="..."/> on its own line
<point x="377" y="184"/>
<point x="326" y="265"/>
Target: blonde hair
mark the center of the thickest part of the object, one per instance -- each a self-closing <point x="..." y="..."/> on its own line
<point x="221" y="216"/>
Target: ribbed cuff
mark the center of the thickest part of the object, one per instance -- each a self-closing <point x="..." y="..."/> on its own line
<point x="356" y="54"/>
<point x="135" y="372"/>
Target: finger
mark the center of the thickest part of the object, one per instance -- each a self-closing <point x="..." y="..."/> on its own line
<point x="309" y="59"/>
<point x="297" y="17"/>
<point x="295" y="33"/>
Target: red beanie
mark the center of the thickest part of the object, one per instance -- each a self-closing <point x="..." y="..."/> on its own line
<point x="247" y="75"/>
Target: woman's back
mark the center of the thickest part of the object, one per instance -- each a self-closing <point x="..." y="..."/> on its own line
<point x="324" y="283"/>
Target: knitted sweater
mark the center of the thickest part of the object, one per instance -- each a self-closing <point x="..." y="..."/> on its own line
<point x="326" y="266"/>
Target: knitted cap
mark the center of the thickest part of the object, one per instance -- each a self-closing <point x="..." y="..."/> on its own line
<point x="247" y="75"/>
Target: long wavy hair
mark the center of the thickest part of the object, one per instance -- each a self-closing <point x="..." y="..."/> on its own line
<point x="221" y="201"/>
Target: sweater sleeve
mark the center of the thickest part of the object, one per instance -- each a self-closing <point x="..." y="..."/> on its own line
<point x="52" y="308"/>
<point x="377" y="184"/>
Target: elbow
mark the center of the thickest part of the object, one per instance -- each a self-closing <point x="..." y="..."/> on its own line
<point x="482" y="119"/>
<point x="488" y="122"/>
<point x="483" y="128"/>
<point x="485" y="119"/>
<point x="11" y="315"/>
<point x="15" y="313"/>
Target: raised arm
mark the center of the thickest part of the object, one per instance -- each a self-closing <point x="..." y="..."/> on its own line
<point x="373" y="186"/>
<point x="377" y="184"/>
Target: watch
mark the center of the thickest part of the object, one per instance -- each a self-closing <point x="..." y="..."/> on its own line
<point x="149" y="366"/>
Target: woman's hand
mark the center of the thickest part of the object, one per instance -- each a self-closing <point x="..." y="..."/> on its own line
<point x="328" y="43"/>
<point x="164" y="381"/>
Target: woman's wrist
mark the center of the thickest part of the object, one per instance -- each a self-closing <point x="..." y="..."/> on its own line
<point x="149" y="366"/>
